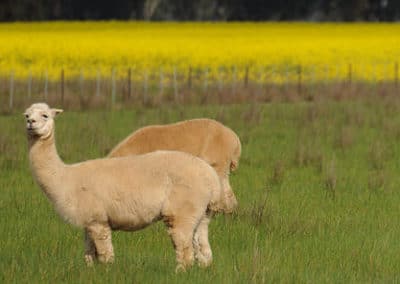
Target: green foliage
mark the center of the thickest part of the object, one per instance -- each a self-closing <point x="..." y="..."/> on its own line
<point x="317" y="187"/>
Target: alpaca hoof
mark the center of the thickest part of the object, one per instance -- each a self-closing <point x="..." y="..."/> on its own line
<point x="106" y="259"/>
<point x="180" y="268"/>
<point x="204" y="259"/>
<point x="229" y="208"/>
<point x="205" y="262"/>
<point x="227" y="211"/>
<point x="89" y="260"/>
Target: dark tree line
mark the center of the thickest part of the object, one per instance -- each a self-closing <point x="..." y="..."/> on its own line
<point x="201" y="10"/>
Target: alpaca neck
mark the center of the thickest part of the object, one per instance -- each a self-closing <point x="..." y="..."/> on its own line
<point x="46" y="165"/>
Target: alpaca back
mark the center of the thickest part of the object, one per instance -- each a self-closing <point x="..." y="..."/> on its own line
<point x="207" y="139"/>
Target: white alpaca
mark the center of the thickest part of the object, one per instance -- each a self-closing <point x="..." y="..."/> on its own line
<point x="125" y="193"/>
<point x="207" y="139"/>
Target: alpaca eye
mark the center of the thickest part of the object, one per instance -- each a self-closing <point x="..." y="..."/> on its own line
<point x="45" y="116"/>
<point x="26" y="116"/>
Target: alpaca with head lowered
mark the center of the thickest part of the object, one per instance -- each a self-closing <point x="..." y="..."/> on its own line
<point x="205" y="138"/>
<point x="126" y="193"/>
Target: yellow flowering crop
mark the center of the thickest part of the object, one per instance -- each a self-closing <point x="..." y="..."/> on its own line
<point x="272" y="51"/>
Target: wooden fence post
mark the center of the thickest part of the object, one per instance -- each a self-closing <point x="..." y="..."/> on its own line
<point x="337" y="75"/>
<point x="11" y="98"/>
<point x="129" y="83"/>
<point x="246" y="76"/>
<point x="326" y="75"/>
<point x="190" y="78"/>
<point x="161" y="83"/>
<point x="62" y="86"/>
<point x="220" y="80"/>
<point x="30" y="85"/>
<point x="234" y="74"/>
<point x="299" y="79"/>
<point x="259" y="90"/>
<point x="145" y="86"/>
<point x="205" y="81"/>
<point x="267" y="74"/>
<point x="350" y="74"/>
<point x="314" y="80"/>
<point x="175" y="85"/>
<point x="98" y="83"/>
<point x="81" y="82"/>
<point x="287" y="78"/>
<point x="46" y="85"/>
<point x="113" y="87"/>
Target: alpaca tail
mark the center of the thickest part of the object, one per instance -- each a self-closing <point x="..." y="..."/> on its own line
<point x="236" y="156"/>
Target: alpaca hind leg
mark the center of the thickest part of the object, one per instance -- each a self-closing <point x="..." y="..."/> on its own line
<point x="90" y="249"/>
<point x="101" y="235"/>
<point x="182" y="239"/>
<point x="201" y="244"/>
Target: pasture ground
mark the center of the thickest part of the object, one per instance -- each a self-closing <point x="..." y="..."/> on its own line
<point x="318" y="188"/>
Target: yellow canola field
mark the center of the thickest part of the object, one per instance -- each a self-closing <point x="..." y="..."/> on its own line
<point x="271" y="50"/>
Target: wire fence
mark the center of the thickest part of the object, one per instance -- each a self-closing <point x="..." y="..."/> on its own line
<point x="121" y="88"/>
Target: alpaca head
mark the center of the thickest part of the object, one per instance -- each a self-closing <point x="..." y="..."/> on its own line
<point x="39" y="120"/>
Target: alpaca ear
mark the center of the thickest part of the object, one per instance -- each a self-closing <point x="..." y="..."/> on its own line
<point x="55" y="111"/>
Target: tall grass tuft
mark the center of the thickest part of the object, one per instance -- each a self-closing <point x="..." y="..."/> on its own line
<point x="377" y="156"/>
<point x="330" y="180"/>
<point x="259" y="212"/>
<point x="278" y="173"/>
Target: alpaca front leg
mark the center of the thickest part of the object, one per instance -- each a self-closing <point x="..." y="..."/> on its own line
<point x="101" y="236"/>
<point x="90" y="249"/>
<point x="201" y="244"/>
<point x="229" y="198"/>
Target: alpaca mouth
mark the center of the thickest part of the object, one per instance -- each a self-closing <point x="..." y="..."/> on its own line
<point x="31" y="130"/>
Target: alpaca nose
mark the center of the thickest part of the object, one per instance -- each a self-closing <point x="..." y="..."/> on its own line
<point x="31" y="120"/>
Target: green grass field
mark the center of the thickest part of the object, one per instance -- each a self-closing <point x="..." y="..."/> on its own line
<point x="318" y="187"/>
